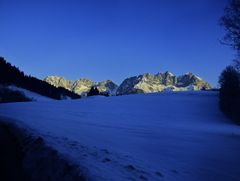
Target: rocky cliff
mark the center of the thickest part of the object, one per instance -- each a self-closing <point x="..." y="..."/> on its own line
<point x="145" y="83"/>
<point x="167" y="81"/>
<point x="83" y="85"/>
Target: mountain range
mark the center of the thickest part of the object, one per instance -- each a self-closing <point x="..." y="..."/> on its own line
<point x="83" y="85"/>
<point x="145" y="83"/>
<point x="159" y="82"/>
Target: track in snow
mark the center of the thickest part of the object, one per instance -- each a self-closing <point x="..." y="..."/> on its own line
<point x="165" y="136"/>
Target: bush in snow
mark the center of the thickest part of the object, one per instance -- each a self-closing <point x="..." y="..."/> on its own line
<point x="93" y="91"/>
<point x="230" y="92"/>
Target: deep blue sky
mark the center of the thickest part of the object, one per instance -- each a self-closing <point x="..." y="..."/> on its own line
<point x="113" y="39"/>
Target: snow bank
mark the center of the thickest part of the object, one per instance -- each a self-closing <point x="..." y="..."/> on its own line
<point x="32" y="95"/>
<point x="162" y="136"/>
<point x="28" y="158"/>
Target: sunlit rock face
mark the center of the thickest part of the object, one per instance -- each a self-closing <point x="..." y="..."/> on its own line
<point x="191" y="79"/>
<point x="145" y="83"/>
<point x="59" y="82"/>
<point x="83" y="85"/>
<point x="107" y="86"/>
<point x="167" y="81"/>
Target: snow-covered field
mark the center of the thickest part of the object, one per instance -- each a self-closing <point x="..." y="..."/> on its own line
<point x="167" y="136"/>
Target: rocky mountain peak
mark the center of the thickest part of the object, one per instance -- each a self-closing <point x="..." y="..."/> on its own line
<point x="190" y="78"/>
<point x="144" y="83"/>
<point x="107" y="86"/>
<point x="83" y="85"/>
<point x="167" y="73"/>
<point x="58" y="81"/>
<point x="160" y="82"/>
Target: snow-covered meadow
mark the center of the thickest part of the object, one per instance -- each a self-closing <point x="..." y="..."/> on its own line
<point x="163" y="136"/>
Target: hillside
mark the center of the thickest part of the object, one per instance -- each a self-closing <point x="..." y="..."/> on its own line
<point x="11" y="75"/>
<point x="175" y="136"/>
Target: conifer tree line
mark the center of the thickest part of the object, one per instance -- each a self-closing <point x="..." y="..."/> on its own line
<point x="10" y="74"/>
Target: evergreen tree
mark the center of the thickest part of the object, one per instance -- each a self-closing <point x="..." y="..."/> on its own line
<point x="12" y="75"/>
<point x="230" y="77"/>
<point x="93" y="91"/>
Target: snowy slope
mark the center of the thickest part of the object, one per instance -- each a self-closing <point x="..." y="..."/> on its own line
<point x="32" y="95"/>
<point x="166" y="136"/>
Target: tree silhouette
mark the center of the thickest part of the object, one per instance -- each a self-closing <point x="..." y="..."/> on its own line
<point x="229" y="79"/>
<point x="231" y="23"/>
<point x="230" y="93"/>
<point x="12" y="75"/>
<point x="93" y="91"/>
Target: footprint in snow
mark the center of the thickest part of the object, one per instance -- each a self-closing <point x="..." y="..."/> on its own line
<point x="174" y="171"/>
<point x="130" y="167"/>
<point x="159" y="174"/>
<point x="105" y="151"/>
<point x="73" y="144"/>
<point x="143" y="177"/>
<point x="106" y="160"/>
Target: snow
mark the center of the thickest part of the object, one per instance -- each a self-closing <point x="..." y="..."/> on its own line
<point x="161" y="136"/>
<point x="32" y="95"/>
<point x="171" y="74"/>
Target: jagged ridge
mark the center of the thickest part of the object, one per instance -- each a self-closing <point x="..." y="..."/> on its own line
<point x="145" y="83"/>
<point x="167" y="81"/>
<point x="83" y="85"/>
